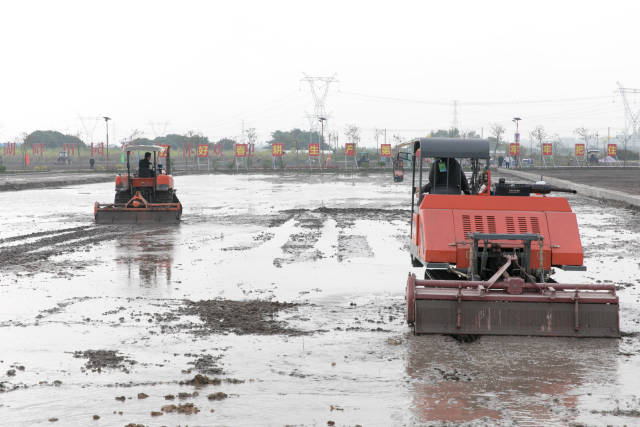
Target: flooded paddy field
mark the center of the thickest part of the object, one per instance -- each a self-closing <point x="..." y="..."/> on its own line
<point x="279" y="300"/>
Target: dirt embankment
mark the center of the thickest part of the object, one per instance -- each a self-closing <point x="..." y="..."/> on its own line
<point x="28" y="181"/>
<point x="611" y="178"/>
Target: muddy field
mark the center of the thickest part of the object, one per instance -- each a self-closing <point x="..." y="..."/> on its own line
<point x="620" y="179"/>
<point x="279" y="301"/>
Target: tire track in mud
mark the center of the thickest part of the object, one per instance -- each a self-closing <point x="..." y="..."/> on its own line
<point x="41" y="234"/>
<point x="300" y="246"/>
<point x="52" y="243"/>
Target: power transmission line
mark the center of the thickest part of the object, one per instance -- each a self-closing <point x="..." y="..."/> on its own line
<point x="477" y="103"/>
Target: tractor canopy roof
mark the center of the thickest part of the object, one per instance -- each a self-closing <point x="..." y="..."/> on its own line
<point x="143" y="147"/>
<point x="468" y="148"/>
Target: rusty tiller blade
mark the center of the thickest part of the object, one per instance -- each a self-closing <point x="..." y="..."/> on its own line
<point x="556" y="309"/>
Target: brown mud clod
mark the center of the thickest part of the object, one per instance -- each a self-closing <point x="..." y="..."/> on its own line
<point x="183" y="408"/>
<point x="97" y="360"/>
<point x="217" y="396"/>
<point x="240" y="317"/>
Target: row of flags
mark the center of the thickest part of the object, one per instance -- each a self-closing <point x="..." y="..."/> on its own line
<point x="277" y="149"/>
<point x="248" y="150"/>
<point x="547" y="149"/>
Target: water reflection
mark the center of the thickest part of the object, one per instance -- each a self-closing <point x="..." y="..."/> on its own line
<point x="505" y="379"/>
<point x="147" y="256"/>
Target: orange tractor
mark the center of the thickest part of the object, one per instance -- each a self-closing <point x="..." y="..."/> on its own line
<point x="146" y="196"/>
<point x="489" y="255"/>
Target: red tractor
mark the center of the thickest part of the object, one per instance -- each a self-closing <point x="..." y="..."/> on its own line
<point x="489" y="255"/>
<point x="147" y="195"/>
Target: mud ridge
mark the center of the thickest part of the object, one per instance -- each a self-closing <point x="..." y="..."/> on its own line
<point x="42" y="233"/>
<point x="240" y="317"/>
<point x="64" y="241"/>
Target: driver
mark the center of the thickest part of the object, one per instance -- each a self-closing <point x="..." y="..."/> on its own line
<point x="144" y="166"/>
<point x="440" y="170"/>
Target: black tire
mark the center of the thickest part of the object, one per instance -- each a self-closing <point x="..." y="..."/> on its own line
<point x="122" y="197"/>
<point x="439" y="275"/>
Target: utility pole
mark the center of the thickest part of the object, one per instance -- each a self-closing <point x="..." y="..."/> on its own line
<point x="322" y="120"/>
<point x="106" y="123"/>
<point x="378" y="133"/>
<point x="385" y="141"/>
<point x="516" y="139"/>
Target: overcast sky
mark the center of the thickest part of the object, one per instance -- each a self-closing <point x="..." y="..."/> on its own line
<point x="207" y="66"/>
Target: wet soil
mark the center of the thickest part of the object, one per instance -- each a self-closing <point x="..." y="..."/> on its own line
<point x="238" y="317"/>
<point x="98" y="360"/>
<point x="32" y="251"/>
<point x="279" y="292"/>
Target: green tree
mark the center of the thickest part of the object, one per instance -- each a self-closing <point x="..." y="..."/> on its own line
<point x="442" y="133"/>
<point x="52" y="139"/>
<point x="296" y="138"/>
<point x="175" y="140"/>
<point x="227" y="143"/>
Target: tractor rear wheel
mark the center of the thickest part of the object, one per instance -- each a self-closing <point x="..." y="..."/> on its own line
<point x="122" y="197"/>
<point x="165" y="197"/>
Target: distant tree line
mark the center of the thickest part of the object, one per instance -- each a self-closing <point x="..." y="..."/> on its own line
<point x="296" y="138"/>
<point x="52" y="139"/>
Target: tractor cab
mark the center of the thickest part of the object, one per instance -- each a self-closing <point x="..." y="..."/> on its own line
<point x="137" y="152"/>
<point x="437" y="170"/>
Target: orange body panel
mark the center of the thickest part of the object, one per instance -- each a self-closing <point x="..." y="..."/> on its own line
<point x="439" y="228"/>
<point x="566" y="248"/>
<point x="495" y="203"/>
<point x="445" y="221"/>
<point x="122" y="181"/>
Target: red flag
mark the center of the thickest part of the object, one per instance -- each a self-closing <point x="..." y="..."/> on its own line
<point x="277" y="149"/>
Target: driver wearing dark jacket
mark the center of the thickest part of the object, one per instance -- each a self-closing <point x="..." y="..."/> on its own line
<point x="144" y="166"/>
<point x="446" y="177"/>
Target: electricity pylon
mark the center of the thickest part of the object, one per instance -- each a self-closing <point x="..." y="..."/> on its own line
<point x="319" y="90"/>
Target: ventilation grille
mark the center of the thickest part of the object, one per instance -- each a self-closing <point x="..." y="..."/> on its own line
<point x="491" y="221"/>
<point x="479" y="223"/>
<point x="535" y="225"/>
<point x="522" y="225"/>
<point x="489" y="224"/>
<point x="466" y="225"/>
<point x="511" y="228"/>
